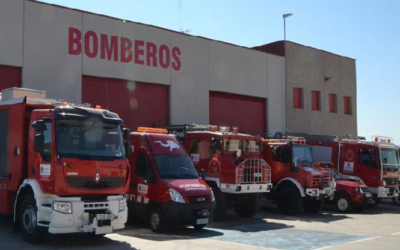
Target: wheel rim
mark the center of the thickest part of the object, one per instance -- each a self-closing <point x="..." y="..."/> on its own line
<point x="29" y="219"/>
<point x="155" y="220"/>
<point x="342" y="204"/>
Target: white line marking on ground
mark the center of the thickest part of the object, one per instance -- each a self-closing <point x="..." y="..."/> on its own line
<point x="395" y="233"/>
<point x="323" y="248"/>
<point x="364" y="239"/>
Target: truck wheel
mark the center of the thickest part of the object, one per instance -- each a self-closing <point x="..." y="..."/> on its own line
<point x="199" y="227"/>
<point x="312" y="205"/>
<point x="248" y="206"/>
<point x="343" y="203"/>
<point x="157" y="220"/>
<point x="358" y="208"/>
<point x="289" y="201"/>
<point x="396" y="200"/>
<point x="28" y="221"/>
<point x="220" y="202"/>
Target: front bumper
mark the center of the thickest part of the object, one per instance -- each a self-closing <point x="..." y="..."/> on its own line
<point x="361" y="198"/>
<point x="187" y="214"/>
<point x="83" y="217"/>
<point x="384" y="192"/>
<point x="327" y="192"/>
<point x="245" y="188"/>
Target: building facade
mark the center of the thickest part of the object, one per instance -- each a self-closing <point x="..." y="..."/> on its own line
<point x="321" y="90"/>
<point x="155" y="77"/>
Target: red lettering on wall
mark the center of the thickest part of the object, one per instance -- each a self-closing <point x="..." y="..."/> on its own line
<point x="139" y="51"/>
<point x="110" y="49"/>
<point x="74" y="41"/>
<point x="151" y="54"/>
<point x="126" y="50"/>
<point x="165" y="57"/>
<point x="176" y="52"/>
<point x="90" y="35"/>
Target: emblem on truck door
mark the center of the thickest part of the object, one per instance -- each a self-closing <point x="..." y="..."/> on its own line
<point x="170" y="144"/>
<point x="97" y="177"/>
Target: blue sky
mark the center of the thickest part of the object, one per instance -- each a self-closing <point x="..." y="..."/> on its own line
<point x="366" y="30"/>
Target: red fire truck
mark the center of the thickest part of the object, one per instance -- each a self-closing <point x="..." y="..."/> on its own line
<point x="165" y="186"/>
<point x="298" y="181"/>
<point x="376" y="162"/>
<point x="232" y="163"/>
<point x="351" y="193"/>
<point x="63" y="168"/>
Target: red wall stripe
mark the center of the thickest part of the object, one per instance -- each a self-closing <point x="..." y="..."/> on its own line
<point x="10" y="77"/>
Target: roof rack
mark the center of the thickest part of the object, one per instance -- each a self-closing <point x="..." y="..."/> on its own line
<point x="287" y="139"/>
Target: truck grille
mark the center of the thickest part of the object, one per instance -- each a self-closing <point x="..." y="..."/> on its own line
<point x="89" y="183"/>
<point x="253" y="171"/>
<point x="199" y="199"/>
<point x="327" y="180"/>
<point x="391" y="182"/>
<point x="317" y="180"/>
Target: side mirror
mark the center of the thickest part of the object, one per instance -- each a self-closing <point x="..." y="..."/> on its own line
<point x="40" y="126"/>
<point x="128" y="150"/>
<point x="39" y="143"/>
<point x="385" y="160"/>
<point x="126" y="133"/>
<point x="238" y="153"/>
<point x="203" y="174"/>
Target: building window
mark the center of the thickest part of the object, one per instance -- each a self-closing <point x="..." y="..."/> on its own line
<point x="315" y="100"/>
<point x="297" y="98"/>
<point x="347" y="105"/>
<point x="332" y="103"/>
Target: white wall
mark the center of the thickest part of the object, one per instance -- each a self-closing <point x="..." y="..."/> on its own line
<point x="47" y="64"/>
<point x="206" y="65"/>
<point x="237" y="70"/>
<point x="11" y="32"/>
<point x="189" y="93"/>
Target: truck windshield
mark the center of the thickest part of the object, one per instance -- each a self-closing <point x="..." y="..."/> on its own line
<point x="252" y="146"/>
<point x="302" y="153"/>
<point x="175" y="167"/>
<point x="91" y="140"/>
<point x="390" y="160"/>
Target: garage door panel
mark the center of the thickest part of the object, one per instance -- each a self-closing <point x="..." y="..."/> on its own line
<point x="248" y="113"/>
<point x="137" y="103"/>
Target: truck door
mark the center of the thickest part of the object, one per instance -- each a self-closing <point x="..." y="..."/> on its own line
<point x="144" y="181"/>
<point x="4" y="123"/>
<point x="367" y="166"/>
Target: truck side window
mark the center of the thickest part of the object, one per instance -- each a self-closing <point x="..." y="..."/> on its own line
<point x="144" y="168"/>
<point x="195" y="147"/>
<point x="367" y="157"/>
<point x="46" y="155"/>
<point x="215" y="146"/>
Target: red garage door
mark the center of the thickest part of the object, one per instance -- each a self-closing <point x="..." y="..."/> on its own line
<point x="137" y="103"/>
<point x="248" y="113"/>
<point x="10" y="77"/>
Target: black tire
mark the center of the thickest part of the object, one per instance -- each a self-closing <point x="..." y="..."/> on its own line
<point x="30" y="231"/>
<point x="377" y="202"/>
<point x="220" y="203"/>
<point x="199" y="227"/>
<point x="157" y="220"/>
<point x="289" y="201"/>
<point x="343" y="203"/>
<point x="358" y="208"/>
<point x="248" y="206"/>
<point x="312" y="205"/>
<point x="396" y="200"/>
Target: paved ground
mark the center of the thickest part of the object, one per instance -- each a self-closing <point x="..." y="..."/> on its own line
<point x="376" y="228"/>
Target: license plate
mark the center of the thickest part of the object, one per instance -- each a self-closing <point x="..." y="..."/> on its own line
<point x="104" y="216"/>
<point x="201" y="221"/>
<point x="368" y="195"/>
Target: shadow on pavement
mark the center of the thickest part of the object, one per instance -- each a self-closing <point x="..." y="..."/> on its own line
<point x="9" y="240"/>
<point x="272" y="212"/>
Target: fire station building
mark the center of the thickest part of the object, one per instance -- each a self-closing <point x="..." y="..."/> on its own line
<point x="152" y="76"/>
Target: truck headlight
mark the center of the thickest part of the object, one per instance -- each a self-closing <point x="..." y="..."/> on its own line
<point x="122" y="205"/>
<point x="212" y="195"/>
<point x="63" y="207"/>
<point x="358" y="190"/>
<point x="176" y="196"/>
